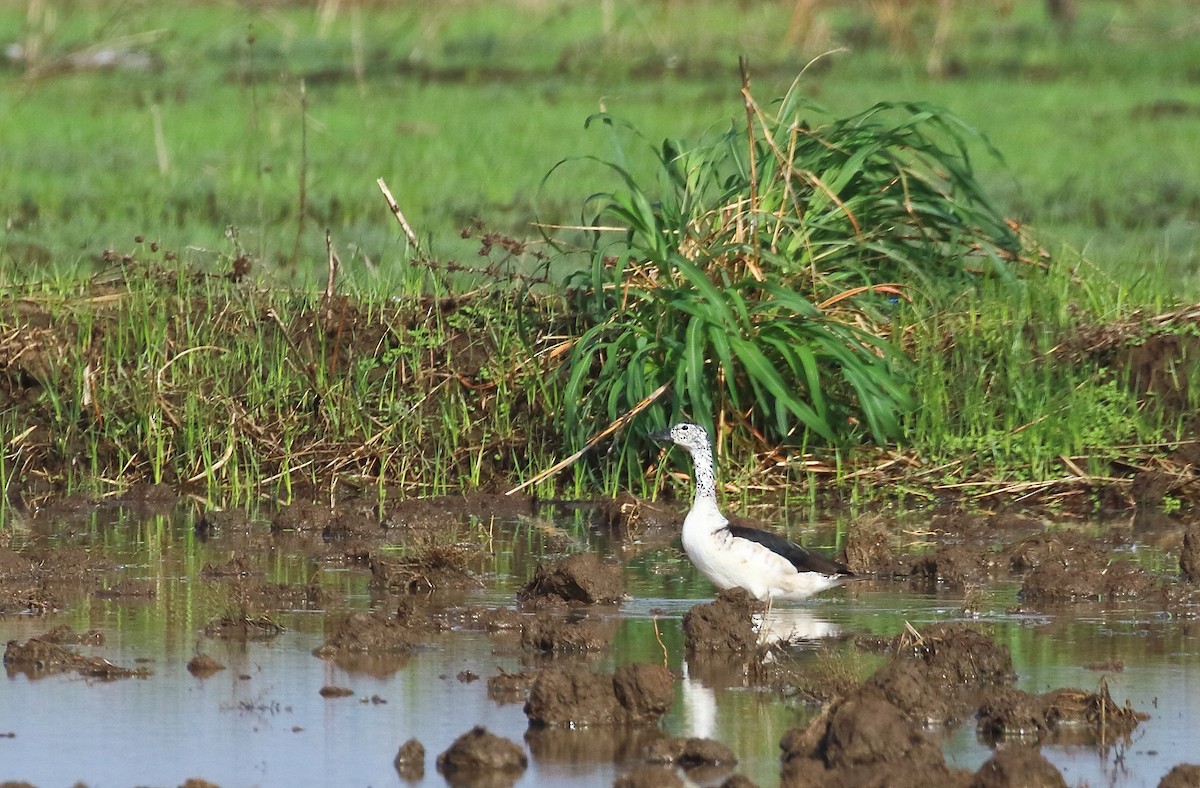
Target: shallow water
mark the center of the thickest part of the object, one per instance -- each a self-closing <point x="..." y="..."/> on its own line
<point x="262" y="721"/>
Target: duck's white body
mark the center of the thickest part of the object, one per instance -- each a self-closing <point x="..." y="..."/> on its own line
<point x="767" y="566"/>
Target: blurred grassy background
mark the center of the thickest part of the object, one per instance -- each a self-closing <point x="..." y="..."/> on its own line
<point x="121" y="118"/>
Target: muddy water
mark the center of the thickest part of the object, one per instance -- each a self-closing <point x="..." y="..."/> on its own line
<point x="262" y="721"/>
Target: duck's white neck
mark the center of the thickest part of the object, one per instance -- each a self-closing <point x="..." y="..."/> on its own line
<point x="706" y="481"/>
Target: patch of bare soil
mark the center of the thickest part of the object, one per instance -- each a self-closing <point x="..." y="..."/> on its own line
<point x="1185" y="775"/>
<point x="1189" y="555"/>
<point x="1062" y="716"/>
<point x="649" y="776"/>
<point x="243" y="624"/>
<point x="480" y="758"/>
<point x="704" y="761"/>
<point x="1018" y="767"/>
<point x="37" y="658"/>
<point x="875" y="734"/>
<point x="634" y="694"/>
<point x="580" y="578"/>
<point x="723" y="625"/>
<point x="864" y="740"/>
<point x="940" y="674"/>
<point x="429" y="568"/>
<point x="202" y="666"/>
<point x="410" y="761"/>
<point x="553" y="633"/>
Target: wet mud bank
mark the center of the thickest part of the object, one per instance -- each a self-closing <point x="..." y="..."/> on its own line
<point x="382" y="590"/>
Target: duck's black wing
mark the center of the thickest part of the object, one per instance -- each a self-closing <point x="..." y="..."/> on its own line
<point x="802" y="559"/>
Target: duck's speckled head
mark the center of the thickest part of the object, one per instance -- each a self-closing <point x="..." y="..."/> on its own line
<point x="692" y="437"/>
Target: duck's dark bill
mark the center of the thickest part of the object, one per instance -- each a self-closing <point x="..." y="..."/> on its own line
<point x="661" y="435"/>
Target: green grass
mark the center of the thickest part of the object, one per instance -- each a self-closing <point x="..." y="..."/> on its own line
<point x="243" y="388"/>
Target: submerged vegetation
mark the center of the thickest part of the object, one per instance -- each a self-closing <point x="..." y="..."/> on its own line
<point x="845" y="294"/>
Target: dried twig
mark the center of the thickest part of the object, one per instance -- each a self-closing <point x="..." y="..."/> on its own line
<point x="592" y="441"/>
<point x="391" y="201"/>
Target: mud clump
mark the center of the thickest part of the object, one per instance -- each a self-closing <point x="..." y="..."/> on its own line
<point x="410" y="761"/>
<point x="551" y="633"/>
<point x="940" y="674"/>
<point x="1068" y="567"/>
<point x="37" y="658"/>
<point x="954" y="566"/>
<point x="1189" y="556"/>
<point x="1018" y="767"/>
<point x="704" y="761"/>
<point x="511" y="687"/>
<point x="1062" y="716"/>
<point x="864" y="740"/>
<point x="482" y="758"/>
<point x="577" y="578"/>
<point x="429" y="568"/>
<point x="64" y="635"/>
<point x="242" y="625"/>
<point x="869" y="551"/>
<point x="1185" y="775"/>
<point x="1052" y="583"/>
<point x="723" y="625"/>
<point x="360" y="633"/>
<point x="202" y="666"/>
<point x="635" y="694"/>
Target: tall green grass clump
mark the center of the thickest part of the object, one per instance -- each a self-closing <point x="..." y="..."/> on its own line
<point x="758" y="273"/>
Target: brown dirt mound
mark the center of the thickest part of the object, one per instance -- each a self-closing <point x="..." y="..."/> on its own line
<point x="410" y="761"/>
<point x="953" y="566"/>
<point x="1018" y="767"/>
<point x="1189" y="556"/>
<point x="1185" y="775"/>
<point x="550" y="632"/>
<point x="690" y="753"/>
<point x="939" y="675"/>
<point x="483" y="758"/>
<point x="634" y="694"/>
<point x="862" y="741"/>
<point x="428" y="569"/>
<point x="202" y="666"/>
<point x="36" y="658"/>
<point x="365" y="632"/>
<point x="723" y="625"/>
<point x="577" y="578"/>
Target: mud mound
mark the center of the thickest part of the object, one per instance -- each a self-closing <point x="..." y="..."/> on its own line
<point x="1189" y="556"/>
<point x="482" y="758"/>
<point x="511" y="687"/>
<point x="869" y="551"/>
<point x="704" y="761"/>
<point x="550" y="632"/>
<point x="1053" y="583"/>
<point x="864" y="741"/>
<point x="64" y="635"/>
<point x="1018" y="767"/>
<point x="577" y="578"/>
<point x="634" y="694"/>
<point x="303" y="517"/>
<point x="723" y="625"/>
<point x="428" y="569"/>
<point x="1185" y="775"/>
<point x="1063" y="716"/>
<point x="361" y="633"/>
<point x="954" y="566"/>
<point x="202" y="666"/>
<point x="36" y="658"/>
<point x="1066" y="548"/>
<point x="241" y="624"/>
<point x="939" y="674"/>
<point x="410" y="761"/>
